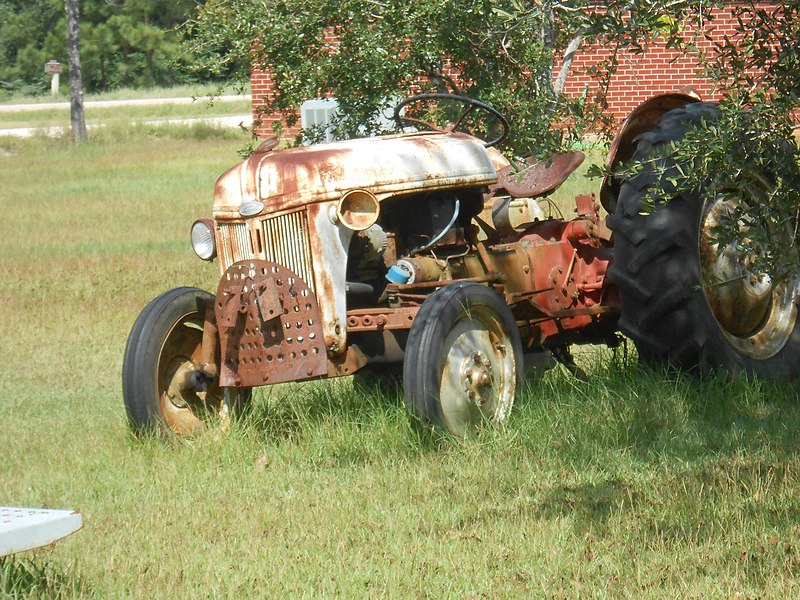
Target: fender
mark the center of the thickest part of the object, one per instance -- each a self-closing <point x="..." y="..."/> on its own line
<point x="643" y="118"/>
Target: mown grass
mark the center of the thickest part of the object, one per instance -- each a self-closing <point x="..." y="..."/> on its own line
<point x="202" y="106"/>
<point x="632" y="484"/>
<point x="178" y="91"/>
<point x="54" y="117"/>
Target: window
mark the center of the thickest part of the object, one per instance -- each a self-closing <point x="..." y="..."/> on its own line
<point x="315" y="117"/>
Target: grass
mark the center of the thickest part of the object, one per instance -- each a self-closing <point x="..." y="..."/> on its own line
<point x="59" y="117"/>
<point x="96" y="115"/>
<point x="178" y="91"/>
<point x="633" y="484"/>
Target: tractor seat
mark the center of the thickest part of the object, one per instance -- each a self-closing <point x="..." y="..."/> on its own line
<point x="539" y="178"/>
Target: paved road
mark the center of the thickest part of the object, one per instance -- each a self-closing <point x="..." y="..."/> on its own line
<point x="229" y="121"/>
<point x="113" y="103"/>
<point x="235" y="121"/>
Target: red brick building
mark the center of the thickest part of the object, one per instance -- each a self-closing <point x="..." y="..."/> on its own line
<point x="639" y="76"/>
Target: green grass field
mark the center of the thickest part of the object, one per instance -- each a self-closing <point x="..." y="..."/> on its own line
<point x="633" y="484"/>
<point x="177" y="91"/>
<point x="203" y="106"/>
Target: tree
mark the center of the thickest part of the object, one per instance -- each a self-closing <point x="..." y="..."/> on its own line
<point x="516" y="54"/>
<point x="747" y="155"/>
<point x="124" y="43"/>
<point x="77" y="118"/>
<point x="503" y="51"/>
<point x="31" y="33"/>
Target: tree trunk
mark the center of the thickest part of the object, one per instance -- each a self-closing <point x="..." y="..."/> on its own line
<point x="76" y="116"/>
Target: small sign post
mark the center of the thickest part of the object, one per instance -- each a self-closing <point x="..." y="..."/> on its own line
<point x="53" y="68"/>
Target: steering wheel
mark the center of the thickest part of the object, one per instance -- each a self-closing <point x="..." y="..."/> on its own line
<point x="471" y="104"/>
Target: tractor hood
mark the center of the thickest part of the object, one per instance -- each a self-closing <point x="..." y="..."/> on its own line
<point x="384" y="166"/>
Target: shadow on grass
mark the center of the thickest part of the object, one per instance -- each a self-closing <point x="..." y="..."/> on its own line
<point x="28" y="578"/>
<point x="365" y="411"/>
<point x="636" y="438"/>
<point x="621" y="407"/>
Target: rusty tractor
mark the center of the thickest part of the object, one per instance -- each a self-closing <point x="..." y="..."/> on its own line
<point x="429" y="250"/>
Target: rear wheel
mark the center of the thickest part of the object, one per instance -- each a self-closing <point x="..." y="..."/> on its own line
<point x="685" y="302"/>
<point x="161" y="386"/>
<point x="462" y="359"/>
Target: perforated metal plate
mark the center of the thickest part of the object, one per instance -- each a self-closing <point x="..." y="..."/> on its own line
<point x="269" y="326"/>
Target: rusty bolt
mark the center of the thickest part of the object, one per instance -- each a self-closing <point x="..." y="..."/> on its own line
<point x="487" y="363"/>
<point x="471" y="395"/>
<point x="485" y="380"/>
<point x="381" y="320"/>
<point x="468" y="374"/>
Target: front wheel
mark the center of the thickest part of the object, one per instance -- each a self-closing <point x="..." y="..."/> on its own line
<point x="686" y="302"/>
<point x="161" y="387"/>
<point x="463" y="357"/>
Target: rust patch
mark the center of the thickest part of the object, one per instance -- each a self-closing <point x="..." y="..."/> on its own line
<point x="270" y="326"/>
<point x="380" y="319"/>
<point x="642" y="119"/>
<point x="555" y="272"/>
<point x="539" y="178"/>
<point x="384" y="166"/>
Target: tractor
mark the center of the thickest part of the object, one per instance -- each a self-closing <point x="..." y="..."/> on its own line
<point x="428" y="250"/>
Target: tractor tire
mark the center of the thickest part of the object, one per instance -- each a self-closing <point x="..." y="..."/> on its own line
<point x="668" y="271"/>
<point x="162" y="348"/>
<point x="463" y="359"/>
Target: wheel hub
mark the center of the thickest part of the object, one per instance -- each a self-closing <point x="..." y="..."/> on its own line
<point x="739" y="298"/>
<point x="476" y="377"/>
<point x="755" y="314"/>
<point x="178" y="373"/>
<point x="183" y="404"/>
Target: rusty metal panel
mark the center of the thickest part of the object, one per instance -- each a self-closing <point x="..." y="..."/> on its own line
<point x="286" y="242"/>
<point x="539" y="178"/>
<point x="290" y="179"/>
<point x="270" y="327"/>
<point x="381" y="319"/>
<point x="643" y="118"/>
<point x="329" y="243"/>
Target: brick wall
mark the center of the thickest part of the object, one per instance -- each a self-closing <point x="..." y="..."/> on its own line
<point x="658" y="70"/>
<point x="638" y="77"/>
<point x="262" y="86"/>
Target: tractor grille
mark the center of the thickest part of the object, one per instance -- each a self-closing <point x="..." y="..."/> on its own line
<point x="283" y="240"/>
<point x="234" y="243"/>
<point x="286" y="243"/>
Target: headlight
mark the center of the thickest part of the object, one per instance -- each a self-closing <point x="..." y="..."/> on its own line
<point x="358" y="210"/>
<point x="203" y="241"/>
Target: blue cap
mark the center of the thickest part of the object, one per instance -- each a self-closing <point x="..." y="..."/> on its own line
<point x="397" y="274"/>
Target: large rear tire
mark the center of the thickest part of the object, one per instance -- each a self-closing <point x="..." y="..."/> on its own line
<point x="685" y="303"/>
<point x="462" y="360"/>
<point x="158" y="387"/>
